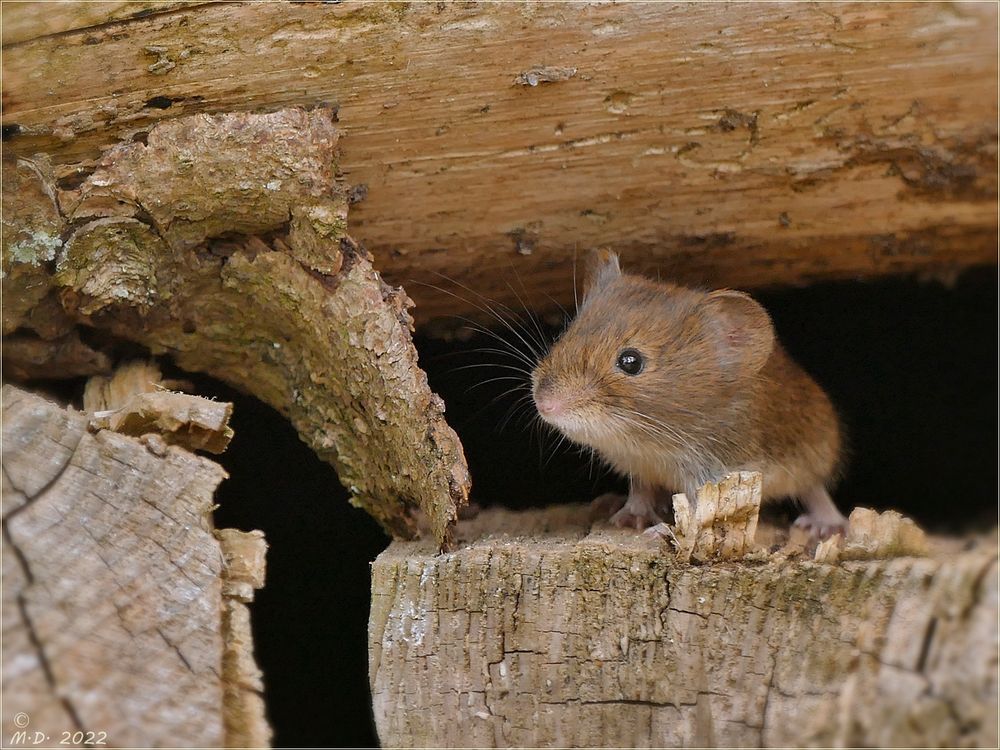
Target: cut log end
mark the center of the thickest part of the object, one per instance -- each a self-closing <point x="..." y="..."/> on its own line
<point x="124" y="618"/>
<point x="540" y="630"/>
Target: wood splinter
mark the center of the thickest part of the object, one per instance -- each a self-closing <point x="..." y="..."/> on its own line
<point x="723" y="522"/>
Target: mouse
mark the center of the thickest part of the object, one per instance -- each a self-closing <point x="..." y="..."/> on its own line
<point x="674" y="387"/>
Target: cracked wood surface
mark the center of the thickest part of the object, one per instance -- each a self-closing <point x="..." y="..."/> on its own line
<point x="757" y="145"/>
<point x="220" y="241"/>
<point x="113" y="589"/>
<point x="540" y="631"/>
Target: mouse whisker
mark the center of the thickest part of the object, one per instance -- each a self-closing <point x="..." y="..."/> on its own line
<point x="555" y="450"/>
<point x="493" y="366"/>
<point x="511" y="350"/>
<point x="494" y="400"/>
<point x="497" y="379"/>
<point x="576" y="300"/>
<point x="542" y="344"/>
<point x="521" y="408"/>
<point x="487" y="307"/>
<point x="655" y="428"/>
<point x="660" y="425"/>
<point x="493" y="350"/>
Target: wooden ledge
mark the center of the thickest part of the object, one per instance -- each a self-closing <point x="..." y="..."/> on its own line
<point x="538" y="631"/>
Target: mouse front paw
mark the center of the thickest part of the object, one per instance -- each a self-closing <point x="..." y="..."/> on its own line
<point x="821" y="527"/>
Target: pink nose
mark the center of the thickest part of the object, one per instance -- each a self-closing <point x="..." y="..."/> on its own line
<point x="549" y="406"/>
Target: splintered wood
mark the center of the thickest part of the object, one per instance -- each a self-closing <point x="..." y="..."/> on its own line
<point x="221" y="241"/>
<point x="134" y="401"/>
<point x="723" y="523"/>
<point x="243" y="556"/>
<point x="539" y="631"/>
<point x="889" y="534"/>
<point x="123" y="615"/>
<point x="179" y="418"/>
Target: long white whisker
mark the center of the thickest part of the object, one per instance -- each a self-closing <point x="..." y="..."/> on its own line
<point x="538" y="329"/>
<point x="488" y="309"/>
<point x="498" y="379"/>
<point x="493" y="366"/>
<point x="576" y="302"/>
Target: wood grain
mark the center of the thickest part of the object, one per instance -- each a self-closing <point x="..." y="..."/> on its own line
<point x="25" y="21"/>
<point x="113" y="588"/>
<point x="751" y="145"/>
<point x="540" y="631"/>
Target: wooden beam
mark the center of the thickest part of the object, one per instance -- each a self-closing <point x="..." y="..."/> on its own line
<point x="25" y="21"/>
<point x="751" y="145"/>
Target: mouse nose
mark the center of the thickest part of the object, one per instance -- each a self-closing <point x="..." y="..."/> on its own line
<point x="549" y="406"/>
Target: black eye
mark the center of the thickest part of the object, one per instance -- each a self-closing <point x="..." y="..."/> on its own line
<point x="630" y="362"/>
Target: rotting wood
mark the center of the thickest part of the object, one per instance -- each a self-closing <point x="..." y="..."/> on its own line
<point x="767" y="144"/>
<point x="540" y="631"/>
<point x="26" y="21"/>
<point x="221" y="242"/>
<point x="118" y="616"/>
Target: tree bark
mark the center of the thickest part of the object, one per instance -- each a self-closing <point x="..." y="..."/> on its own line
<point x="540" y="631"/>
<point x="221" y="242"/>
<point x="755" y="145"/>
<point x="124" y="618"/>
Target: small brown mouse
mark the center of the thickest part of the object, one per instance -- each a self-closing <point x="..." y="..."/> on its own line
<point x="674" y="387"/>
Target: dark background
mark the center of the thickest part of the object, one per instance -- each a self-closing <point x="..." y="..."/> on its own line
<point x="911" y="366"/>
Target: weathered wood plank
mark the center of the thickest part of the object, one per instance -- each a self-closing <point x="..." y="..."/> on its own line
<point x="27" y="21"/>
<point x="757" y="144"/>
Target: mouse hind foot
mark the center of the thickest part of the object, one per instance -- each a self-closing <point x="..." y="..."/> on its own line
<point x="821" y="519"/>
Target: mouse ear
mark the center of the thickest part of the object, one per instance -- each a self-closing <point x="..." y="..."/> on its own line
<point x="743" y="331"/>
<point x="602" y="269"/>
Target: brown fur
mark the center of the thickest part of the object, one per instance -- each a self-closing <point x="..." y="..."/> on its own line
<point x="717" y="393"/>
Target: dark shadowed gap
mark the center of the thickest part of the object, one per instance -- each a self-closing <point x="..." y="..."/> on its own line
<point x="310" y="620"/>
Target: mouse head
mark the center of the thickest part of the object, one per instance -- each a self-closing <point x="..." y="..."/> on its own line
<point x="648" y="360"/>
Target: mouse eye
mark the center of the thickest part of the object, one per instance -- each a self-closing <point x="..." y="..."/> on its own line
<point x="630" y="362"/>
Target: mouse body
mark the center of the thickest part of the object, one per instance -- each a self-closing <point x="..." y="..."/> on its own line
<point x="674" y="387"/>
